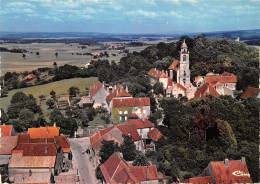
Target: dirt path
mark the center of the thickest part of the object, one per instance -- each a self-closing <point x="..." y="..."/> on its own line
<point x="81" y="161"/>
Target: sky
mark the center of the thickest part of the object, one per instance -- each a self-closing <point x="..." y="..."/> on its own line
<point x="129" y="16"/>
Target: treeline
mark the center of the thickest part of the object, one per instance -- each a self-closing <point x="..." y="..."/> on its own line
<point x="3" y="49"/>
<point x="201" y="131"/>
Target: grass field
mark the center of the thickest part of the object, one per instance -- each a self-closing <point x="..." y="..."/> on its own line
<point x="60" y="87"/>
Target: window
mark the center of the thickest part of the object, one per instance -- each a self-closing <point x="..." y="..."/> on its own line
<point x="125" y="112"/>
<point x="120" y="112"/>
<point x="184" y="57"/>
<point x="120" y="118"/>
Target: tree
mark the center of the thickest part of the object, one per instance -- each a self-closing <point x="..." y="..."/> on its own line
<point x="53" y="94"/>
<point x="37" y="53"/>
<point x="24" y="56"/>
<point x="73" y="91"/>
<point x="19" y="97"/>
<point x="99" y="174"/>
<point x="107" y="149"/>
<point x="3" y="117"/>
<point x="25" y="120"/>
<point x="140" y="160"/>
<point x="158" y="88"/>
<point x="128" y="148"/>
<point x="56" y="54"/>
<point x="50" y="103"/>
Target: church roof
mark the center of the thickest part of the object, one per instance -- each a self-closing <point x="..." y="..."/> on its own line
<point x="163" y="75"/>
<point x="174" y="65"/>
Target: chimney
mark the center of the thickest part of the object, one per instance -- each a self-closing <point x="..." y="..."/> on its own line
<point x="126" y="88"/>
<point x="119" y="155"/>
<point x="147" y="173"/>
<point x="243" y="160"/>
<point x="103" y="84"/>
<point x="3" y="124"/>
<point x="46" y="150"/>
<point x="226" y="162"/>
<point x="47" y="131"/>
<point x="30" y="172"/>
<point x="54" y="139"/>
<point x="54" y="124"/>
<point x="0" y="132"/>
<point x="128" y="170"/>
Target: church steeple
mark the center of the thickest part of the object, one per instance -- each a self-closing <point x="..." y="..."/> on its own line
<point x="184" y="69"/>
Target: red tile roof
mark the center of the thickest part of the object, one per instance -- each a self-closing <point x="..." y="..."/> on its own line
<point x="63" y="142"/>
<point x="163" y="75"/>
<point x="198" y="78"/>
<point x="113" y="133"/>
<point x="181" y="87"/>
<point x="23" y="138"/>
<point x="155" y="73"/>
<point x="250" y="92"/>
<point x="17" y="160"/>
<point x="43" y="132"/>
<point x="140" y="123"/>
<point x="7" y="144"/>
<point x="140" y="172"/>
<point x="37" y="149"/>
<point x="235" y="172"/>
<point x="174" y="65"/>
<point x="199" y="180"/>
<point x="117" y="170"/>
<point x="6" y="130"/>
<point x="95" y="88"/>
<point x="131" y="102"/>
<point x="96" y="53"/>
<point x="204" y="90"/>
<point x="118" y="92"/>
<point x="223" y="78"/>
<point x="133" y="116"/>
<point x="155" y="134"/>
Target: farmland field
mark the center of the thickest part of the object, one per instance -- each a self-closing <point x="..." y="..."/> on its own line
<point x="67" y="54"/>
<point x="60" y="87"/>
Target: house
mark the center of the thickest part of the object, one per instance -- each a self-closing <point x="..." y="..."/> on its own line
<point x="143" y="126"/>
<point x="173" y="69"/>
<point x="96" y="53"/>
<point x="7" y="130"/>
<point x="84" y="101"/>
<point x="176" y="90"/>
<point x="44" y="132"/>
<point x="114" y="133"/>
<point x="199" y="180"/>
<point x="227" y="171"/>
<point x="7" y="144"/>
<point x="117" y="170"/>
<point x="98" y="94"/>
<point x="34" y="177"/>
<point x="223" y="84"/>
<point x="206" y="89"/>
<point x="35" y="157"/>
<point x="122" y="108"/>
<point x="28" y="77"/>
<point x="250" y="92"/>
<point x="117" y="92"/>
<point x="52" y="137"/>
<point x="160" y="76"/>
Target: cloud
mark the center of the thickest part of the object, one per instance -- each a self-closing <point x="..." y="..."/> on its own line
<point x="151" y="2"/>
<point x="142" y="13"/>
<point x="180" y="1"/>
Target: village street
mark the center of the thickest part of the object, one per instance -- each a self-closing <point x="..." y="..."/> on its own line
<point x="81" y="161"/>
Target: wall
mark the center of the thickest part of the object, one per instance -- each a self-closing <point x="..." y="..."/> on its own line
<point x="13" y="171"/>
<point x="100" y="98"/>
<point x="58" y="162"/>
<point x="4" y="159"/>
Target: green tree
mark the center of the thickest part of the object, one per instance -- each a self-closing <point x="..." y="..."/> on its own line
<point x="19" y="97"/>
<point x="25" y="120"/>
<point x="128" y="148"/>
<point x="107" y="149"/>
<point x="53" y="94"/>
<point x="99" y="174"/>
<point x="50" y="103"/>
<point x="140" y="160"/>
<point x="158" y="88"/>
<point x="73" y="91"/>
<point x="3" y="117"/>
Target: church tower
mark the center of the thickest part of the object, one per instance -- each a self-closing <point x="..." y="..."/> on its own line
<point x="184" y="67"/>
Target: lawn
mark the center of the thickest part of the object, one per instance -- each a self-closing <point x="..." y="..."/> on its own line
<point x="60" y="87"/>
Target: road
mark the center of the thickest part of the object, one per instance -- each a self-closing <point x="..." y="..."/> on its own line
<point x="81" y="161"/>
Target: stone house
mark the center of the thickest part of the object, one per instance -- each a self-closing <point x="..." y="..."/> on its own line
<point x="122" y="108"/>
<point x="7" y="144"/>
<point x="227" y="171"/>
<point x="98" y="93"/>
<point x="35" y="157"/>
<point x="117" y="170"/>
